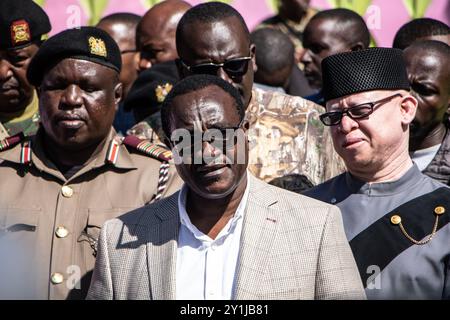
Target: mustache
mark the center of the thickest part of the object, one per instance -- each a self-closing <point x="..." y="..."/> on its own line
<point x="9" y="84"/>
<point x="70" y="116"/>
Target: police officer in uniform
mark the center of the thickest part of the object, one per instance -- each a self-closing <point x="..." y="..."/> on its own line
<point x="23" y="24"/>
<point x="395" y="217"/>
<point x="59" y="186"/>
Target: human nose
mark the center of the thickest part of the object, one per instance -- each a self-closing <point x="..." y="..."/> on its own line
<point x="5" y="70"/>
<point x="144" y="64"/>
<point x="347" y="123"/>
<point x="224" y="75"/>
<point x="306" y="57"/>
<point x="72" y="96"/>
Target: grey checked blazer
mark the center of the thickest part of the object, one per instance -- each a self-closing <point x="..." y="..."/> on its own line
<point x="292" y="247"/>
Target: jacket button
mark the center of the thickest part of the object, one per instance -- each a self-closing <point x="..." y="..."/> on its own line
<point x="395" y="219"/>
<point x="67" y="191"/>
<point x="57" y="278"/>
<point x="61" y="232"/>
<point x="439" y="210"/>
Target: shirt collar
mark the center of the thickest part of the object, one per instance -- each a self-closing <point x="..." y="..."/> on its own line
<point x="22" y="115"/>
<point x="99" y="159"/>
<point x="411" y="177"/>
<point x="230" y="226"/>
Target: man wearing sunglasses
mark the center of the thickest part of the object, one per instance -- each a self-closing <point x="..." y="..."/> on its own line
<point x="225" y="235"/>
<point x="286" y="135"/>
<point x="396" y="218"/>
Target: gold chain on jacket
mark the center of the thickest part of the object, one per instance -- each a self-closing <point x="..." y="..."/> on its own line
<point x="397" y="220"/>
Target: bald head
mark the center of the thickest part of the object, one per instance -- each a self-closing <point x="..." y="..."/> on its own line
<point x="122" y="28"/>
<point x="155" y="37"/>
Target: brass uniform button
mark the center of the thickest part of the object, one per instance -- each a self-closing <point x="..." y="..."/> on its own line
<point x="67" y="191"/>
<point x="439" y="210"/>
<point x="61" y="232"/>
<point x="57" y="278"/>
<point x="395" y="219"/>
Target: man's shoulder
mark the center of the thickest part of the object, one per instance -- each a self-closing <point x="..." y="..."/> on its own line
<point x="143" y="148"/>
<point x="270" y="22"/>
<point x="280" y="100"/>
<point x="326" y="190"/>
<point x="148" y="215"/>
<point x="286" y="201"/>
<point x="11" y="147"/>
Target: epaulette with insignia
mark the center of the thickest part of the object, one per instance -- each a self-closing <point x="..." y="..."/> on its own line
<point x="12" y="141"/>
<point x="151" y="149"/>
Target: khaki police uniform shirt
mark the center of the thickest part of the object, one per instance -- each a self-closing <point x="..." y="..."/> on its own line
<point x="49" y="225"/>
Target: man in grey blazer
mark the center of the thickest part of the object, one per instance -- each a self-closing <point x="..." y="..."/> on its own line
<point x="225" y="234"/>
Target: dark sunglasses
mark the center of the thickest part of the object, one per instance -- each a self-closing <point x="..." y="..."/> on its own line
<point x="356" y="112"/>
<point x="234" y="67"/>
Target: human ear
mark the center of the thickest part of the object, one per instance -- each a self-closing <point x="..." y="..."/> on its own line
<point x="118" y="93"/>
<point x="253" y="55"/>
<point x="408" y="107"/>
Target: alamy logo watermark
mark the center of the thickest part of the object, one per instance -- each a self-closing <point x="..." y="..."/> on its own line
<point x="212" y="146"/>
<point x="74" y="18"/>
<point x="374" y="280"/>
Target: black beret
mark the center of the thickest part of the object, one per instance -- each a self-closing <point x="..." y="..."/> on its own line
<point x="85" y="43"/>
<point x="21" y="22"/>
<point x="151" y="87"/>
<point x="357" y="71"/>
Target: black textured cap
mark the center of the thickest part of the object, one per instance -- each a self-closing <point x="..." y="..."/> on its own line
<point x="364" y="70"/>
<point x="151" y="87"/>
<point x="86" y="43"/>
<point x="21" y="22"/>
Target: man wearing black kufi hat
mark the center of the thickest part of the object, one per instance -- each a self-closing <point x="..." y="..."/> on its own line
<point x="396" y="218"/>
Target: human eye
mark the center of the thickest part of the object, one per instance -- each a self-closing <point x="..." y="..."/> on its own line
<point x="316" y="48"/>
<point x="330" y="118"/>
<point x="360" y="111"/>
<point x="424" y="90"/>
<point x="18" y="59"/>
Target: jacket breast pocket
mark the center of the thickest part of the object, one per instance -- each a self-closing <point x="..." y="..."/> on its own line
<point x="18" y="235"/>
<point x="17" y="220"/>
<point x="89" y="236"/>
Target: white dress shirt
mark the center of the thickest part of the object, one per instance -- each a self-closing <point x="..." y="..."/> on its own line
<point x="206" y="268"/>
<point x="424" y="157"/>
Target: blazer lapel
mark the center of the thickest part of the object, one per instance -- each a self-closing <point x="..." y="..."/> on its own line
<point x="258" y="234"/>
<point x="161" y="251"/>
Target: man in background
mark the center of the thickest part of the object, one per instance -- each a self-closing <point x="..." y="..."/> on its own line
<point x="23" y="25"/>
<point x="428" y="66"/>
<point x="122" y="28"/>
<point x="330" y="32"/>
<point x="274" y="60"/>
<point x="285" y="132"/>
<point x="421" y="29"/>
<point x="155" y="36"/>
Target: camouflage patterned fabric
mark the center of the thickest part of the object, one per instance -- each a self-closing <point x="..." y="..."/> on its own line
<point x="28" y="125"/>
<point x="286" y="136"/>
<point x="150" y="128"/>
<point x="293" y="30"/>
